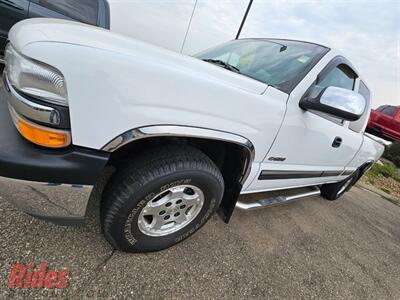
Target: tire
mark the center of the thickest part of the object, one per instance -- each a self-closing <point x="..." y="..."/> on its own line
<point x="334" y="191"/>
<point x="176" y="182"/>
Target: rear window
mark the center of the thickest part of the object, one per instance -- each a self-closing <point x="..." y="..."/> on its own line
<point x="81" y="10"/>
<point x="363" y="90"/>
<point x="358" y="125"/>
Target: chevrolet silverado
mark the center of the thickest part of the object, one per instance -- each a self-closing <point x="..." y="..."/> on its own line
<point x="166" y="139"/>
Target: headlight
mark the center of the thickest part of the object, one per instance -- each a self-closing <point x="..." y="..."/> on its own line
<point x="35" y="78"/>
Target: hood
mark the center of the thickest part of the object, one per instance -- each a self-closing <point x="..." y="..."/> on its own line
<point x="61" y="31"/>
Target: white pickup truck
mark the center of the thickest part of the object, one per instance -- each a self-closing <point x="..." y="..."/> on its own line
<point x="165" y="139"/>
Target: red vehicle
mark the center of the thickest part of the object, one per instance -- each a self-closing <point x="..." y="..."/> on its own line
<point x="385" y="122"/>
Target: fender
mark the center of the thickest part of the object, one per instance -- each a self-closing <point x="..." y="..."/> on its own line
<point x="232" y="193"/>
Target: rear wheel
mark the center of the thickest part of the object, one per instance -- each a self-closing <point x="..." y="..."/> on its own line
<point x="334" y="191"/>
<point x="160" y="199"/>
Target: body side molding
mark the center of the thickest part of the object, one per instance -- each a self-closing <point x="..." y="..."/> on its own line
<point x="274" y="175"/>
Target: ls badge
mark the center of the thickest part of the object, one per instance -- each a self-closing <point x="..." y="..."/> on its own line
<point x="272" y="158"/>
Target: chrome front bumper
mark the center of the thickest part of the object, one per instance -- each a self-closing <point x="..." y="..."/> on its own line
<point x="59" y="203"/>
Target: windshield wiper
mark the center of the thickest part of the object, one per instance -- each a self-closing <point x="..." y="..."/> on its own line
<point x="222" y="64"/>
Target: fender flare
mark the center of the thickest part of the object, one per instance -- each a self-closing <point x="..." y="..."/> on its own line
<point x="154" y="131"/>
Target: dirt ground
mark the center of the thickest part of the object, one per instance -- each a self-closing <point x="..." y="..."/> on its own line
<point x="312" y="248"/>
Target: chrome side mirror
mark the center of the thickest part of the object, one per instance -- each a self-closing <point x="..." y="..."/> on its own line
<point x="338" y="102"/>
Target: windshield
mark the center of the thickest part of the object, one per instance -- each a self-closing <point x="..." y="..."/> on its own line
<point x="280" y="63"/>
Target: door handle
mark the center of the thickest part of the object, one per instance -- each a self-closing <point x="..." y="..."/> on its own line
<point x="337" y="142"/>
<point x="11" y="4"/>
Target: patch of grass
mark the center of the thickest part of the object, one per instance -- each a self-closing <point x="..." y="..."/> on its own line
<point x="384" y="170"/>
<point x="392" y="153"/>
<point x="386" y="190"/>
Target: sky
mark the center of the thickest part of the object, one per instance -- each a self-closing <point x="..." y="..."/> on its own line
<point x="366" y="32"/>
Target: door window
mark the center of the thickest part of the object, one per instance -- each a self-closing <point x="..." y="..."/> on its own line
<point x="389" y="110"/>
<point x="341" y="76"/>
<point x="81" y="10"/>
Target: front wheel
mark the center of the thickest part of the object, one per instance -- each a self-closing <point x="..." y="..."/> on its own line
<point x="334" y="191"/>
<point x="160" y="199"/>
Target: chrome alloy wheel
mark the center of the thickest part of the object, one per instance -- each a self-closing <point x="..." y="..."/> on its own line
<point x="171" y="210"/>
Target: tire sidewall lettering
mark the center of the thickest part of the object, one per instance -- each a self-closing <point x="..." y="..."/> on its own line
<point x="198" y="225"/>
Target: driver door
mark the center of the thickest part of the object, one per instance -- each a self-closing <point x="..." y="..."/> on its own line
<point x="311" y="147"/>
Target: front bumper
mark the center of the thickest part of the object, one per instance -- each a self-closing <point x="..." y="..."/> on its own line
<point x="57" y="203"/>
<point x="50" y="184"/>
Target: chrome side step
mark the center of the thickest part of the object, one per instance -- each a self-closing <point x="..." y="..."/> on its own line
<point x="277" y="200"/>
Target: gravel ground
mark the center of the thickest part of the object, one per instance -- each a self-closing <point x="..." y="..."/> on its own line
<point x="348" y="249"/>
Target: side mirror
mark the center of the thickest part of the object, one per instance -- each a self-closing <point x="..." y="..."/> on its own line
<point x="338" y="102"/>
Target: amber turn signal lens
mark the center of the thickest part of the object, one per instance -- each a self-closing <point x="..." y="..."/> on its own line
<point x="43" y="137"/>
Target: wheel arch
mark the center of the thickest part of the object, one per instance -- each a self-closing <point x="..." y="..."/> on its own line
<point x="365" y="167"/>
<point x="232" y="153"/>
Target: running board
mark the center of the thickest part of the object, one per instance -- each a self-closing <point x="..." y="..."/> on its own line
<point x="277" y="200"/>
